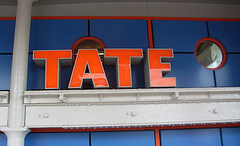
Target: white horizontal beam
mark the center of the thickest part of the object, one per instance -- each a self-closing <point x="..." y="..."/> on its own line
<point x="132" y="96"/>
<point x="132" y="115"/>
<point x="3" y="116"/>
<point x="4" y="95"/>
<point x="131" y="107"/>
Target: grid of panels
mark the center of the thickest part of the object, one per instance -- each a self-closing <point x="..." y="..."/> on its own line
<point x="176" y="34"/>
<point x="182" y="137"/>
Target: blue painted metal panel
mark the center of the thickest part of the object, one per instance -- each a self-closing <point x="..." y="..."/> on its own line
<point x="110" y="71"/>
<point x="231" y="136"/>
<point x="56" y="34"/>
<point x="66" y="72"/>
<point x="3" y="139"/>
<point x="182" y="36"/>
<point x="228" y="33"/>
<point x="189" y="72"/>
<point x="191" y="137"/>
<point x="5" y="71"/>
<point x="36" y="76"/>
<point x="138" y="75"/>
<point x="57" y="139"/>
<point x="228" y="76"/>
<point x="126" y="138"/>
<point x="121" y="33"/>
<point x="6" y="35"/>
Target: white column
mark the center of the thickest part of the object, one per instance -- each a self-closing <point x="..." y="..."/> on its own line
<point x="15" y="136"/>
<point x="15" y="131"/>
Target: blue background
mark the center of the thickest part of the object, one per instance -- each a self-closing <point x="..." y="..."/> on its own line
<point x="121" y="33"/>
<point x="57" y="139"/>
<point x="3" y="139"/>
<point x="126" y="138"/>
<point x="7" y="28"/>
<point x="56" y="34"/>
<point x="228" y="33"/>
<point x="181" y="36"/>
<point x="182" y="137"/>
<point x="231" y="136"/>
<point x="191" y="137"/>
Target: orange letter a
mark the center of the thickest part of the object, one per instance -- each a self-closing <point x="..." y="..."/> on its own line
<point x="91" y="59"/>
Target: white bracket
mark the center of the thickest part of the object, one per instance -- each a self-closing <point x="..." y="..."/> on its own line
<point x="175" y="95"/>
<point x="4" y="97"/>
<point x="62" y="98"/>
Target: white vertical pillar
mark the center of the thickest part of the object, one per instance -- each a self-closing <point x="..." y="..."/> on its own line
<point x="19" y="63"/>
<point x="15" y="136"/>
<point x="15" y="131"/>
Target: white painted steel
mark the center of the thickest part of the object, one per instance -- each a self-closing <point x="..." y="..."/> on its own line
<point x="15" y="136"/>
<point x="4" y="116"/>
<point x="132" y="107"/>
<point x="132" y="115"/>
<point x="15" y="131"/>
<point x="19" y="63"/>
<point x="128" y="8"/>
<point x="130" y="96"/>
<point x="4" y="97"/>
<point x="3" y="108"/>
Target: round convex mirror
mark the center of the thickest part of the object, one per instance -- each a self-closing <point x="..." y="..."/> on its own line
<point x="210" y="53"/>
<point x="89" y="43"/>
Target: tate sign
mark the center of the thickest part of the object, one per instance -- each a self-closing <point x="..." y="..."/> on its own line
<point x="154" y="66"/>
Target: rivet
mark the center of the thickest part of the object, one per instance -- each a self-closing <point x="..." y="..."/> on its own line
<point x="214" y="111"/>
<point x="45" y="115"/>
<point x="133" y="114"/>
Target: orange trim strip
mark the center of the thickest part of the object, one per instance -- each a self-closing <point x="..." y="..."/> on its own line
<point x="194" y="19"/>
<point x="124" y="17"/>
<point x="87" y="17"/>
<point x="38" y="130"/>
<point x="135" y="18"/>
<point x="7" y="18"/>
<point x="157" y="137"/>
<point x="150" y="33"/>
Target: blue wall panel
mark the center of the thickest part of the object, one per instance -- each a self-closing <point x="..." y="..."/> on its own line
<point x="228" y="76"/>
<point x="36" y="76"/>
<point x="3" y="139"/>
<point x="6" y="35"/>
<point x="121" y="33"/>
<point x="138" y="76"/>
<point x="189" y="73"/>
<point x="126" y="138"/>
<point x="181" y="36"/>
<point x="110" y="71"/>
<point x="5" y="71"/>
<point x="228" y="33"/>
<point x="56" y="34"/>
<point x="231" y="136"/>
<point x="57" y="139"/>
<point x="191" y="137"/>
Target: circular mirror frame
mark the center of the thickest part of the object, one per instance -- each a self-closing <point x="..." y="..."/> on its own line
<point x="219" y="44"/>
<point x="84" y="39"/>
